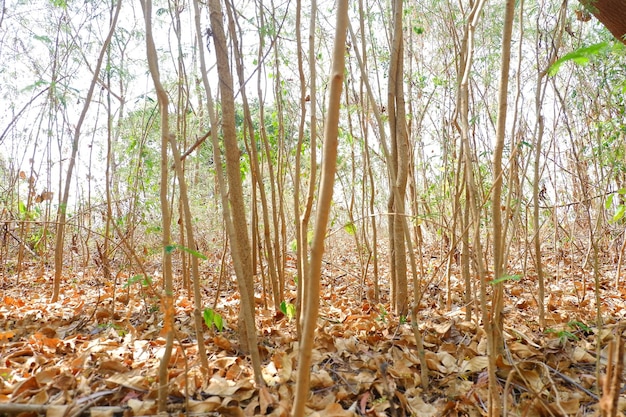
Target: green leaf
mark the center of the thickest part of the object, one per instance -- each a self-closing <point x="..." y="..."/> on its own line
<point x="207" y="314"/>
<point x="291" y="311"/>
<point x="288" y="310"/>
<point x="581" y="56"/>
<point x="609" y="201"/>
<point x="505" y="278"/>
<point x="171" y="248"/>
<point x="59" y="3"/>
<point x="350" y="228"/>
<point x="42" y="38"/>
<point x="211" y="318"/>
<point x="138" y="279"/>
<point x="192" y="252"/>
<point x="218" y="322"/>
<point x="575" y="324"/>
<point x="621" y="210"/>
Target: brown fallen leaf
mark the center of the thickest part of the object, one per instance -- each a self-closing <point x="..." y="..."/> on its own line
<point x="206" y="406"/>
<point x="333" y="410"/>
<point x="230" y="411"/>
<point x="266" y="400"/>
<point x="57" y="410"/>
<point x="142" y="408"/>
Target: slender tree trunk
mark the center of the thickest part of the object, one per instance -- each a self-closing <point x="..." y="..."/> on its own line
<point x="539" y="128"/>
<point x="494" y="325"/>
<point x="254" y="163"/>
<point x="405" y="227"/>
<point x="195" y="273"/>
<point x="312" y="290"/>
<point x="298" y="164"/>
<point x="168" y="295"/>
<point x="62" y="211"/>
<point x="302" y="223"/>
<point x="235" y="216"/>
<point x="400" y="162"/>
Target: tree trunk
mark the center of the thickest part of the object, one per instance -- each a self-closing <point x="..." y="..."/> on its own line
<point x="400" y="162"/>
<point x="236" y="222"/>
<point x="62" y="211"/>
<point x="312" y="289"/>
<point x="611" y="13"/>
<point x="494" y="325"/>
<point x="168" y="296"/>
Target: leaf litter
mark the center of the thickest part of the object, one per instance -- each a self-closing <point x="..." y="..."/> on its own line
<point x="101" y="346"/>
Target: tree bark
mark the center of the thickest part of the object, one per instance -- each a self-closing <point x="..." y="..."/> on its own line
<point x="611" y="13"/>
<point x="400" y="163"/>
<point x="312" y="289"/>
<point x="236" y="217"/>
<point x="168" y="287"/>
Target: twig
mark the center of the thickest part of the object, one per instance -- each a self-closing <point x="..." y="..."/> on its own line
<point x="194" y="146"/>
<point x="572" y="382"/>
<point x="611" y="387"/>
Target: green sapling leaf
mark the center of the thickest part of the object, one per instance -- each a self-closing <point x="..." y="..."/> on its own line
<point x="505" y="278"/>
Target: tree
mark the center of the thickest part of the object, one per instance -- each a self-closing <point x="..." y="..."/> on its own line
<point x="611" y="13"/>
<point x="494" y="325"/>
<point x="236" y="222"/>
<point x="310" y="306"/>
<point x="168" y="285"/>
<point x="62" y="210"/>
<point x="399" y="163"/>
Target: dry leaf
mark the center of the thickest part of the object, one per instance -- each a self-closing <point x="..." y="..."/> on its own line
<point x="476" y="364"/>
<point x="57" y="410"/>
<point x="333" y="410"/>
<point x="142" y="408"/>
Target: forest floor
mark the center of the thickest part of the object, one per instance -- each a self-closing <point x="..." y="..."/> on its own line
<point x="100" y="346"/>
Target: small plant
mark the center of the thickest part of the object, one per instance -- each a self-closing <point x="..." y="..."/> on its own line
<point x="620" y="210"/>
<point x="350" y="228"/>
<point x="288" y="310"/>
<point x="118" y="329"/>
<point x="171" y="248"/>
<point x="212" y="318"/>
<point x="504" y="278"/>
<point x="382" y="316"/>
<point x="144" y="280"/>
<point x="580" y="327"/>
<point x="563" y="335"/>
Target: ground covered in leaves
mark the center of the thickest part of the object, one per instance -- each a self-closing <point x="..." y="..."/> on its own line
<point x="100" y="346"/>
